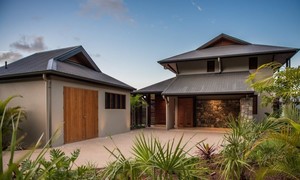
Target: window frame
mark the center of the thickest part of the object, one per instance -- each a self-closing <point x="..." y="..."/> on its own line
<point x="115" y="101"/>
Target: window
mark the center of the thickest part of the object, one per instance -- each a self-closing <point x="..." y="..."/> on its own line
<point x="210" y="66"/>
<point x="253" y="63"/>
<point x="115" y="101"/>
<point x="255" y="104"/>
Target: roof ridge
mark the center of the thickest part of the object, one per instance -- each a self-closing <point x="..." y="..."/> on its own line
<point x="71" y="47"/>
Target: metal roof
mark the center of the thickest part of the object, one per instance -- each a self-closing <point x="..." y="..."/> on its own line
<point x="228" y="51"/>
<point x="155" y="88"/>
<point x="56" y="62"/>
<point x="223" y="36"/>
<point x="224" y="83"/>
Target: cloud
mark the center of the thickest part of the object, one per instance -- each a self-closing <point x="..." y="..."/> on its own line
<point x="9" y="57"/>
<point x="194" y="3"/>
<point x="29" y="44"/>
<point x="101" y="8"/>
<point x="96" y="55"/>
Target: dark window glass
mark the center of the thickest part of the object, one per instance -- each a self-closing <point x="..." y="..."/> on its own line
<point x="107" y="100"/>
<point x="210" y="66"/>
<point x="253" y="63"/>
<point x="255" y="104"/>
<point x="123" y="105"/>
<point x="118" y="101"/>
<point x="115" y="101"/>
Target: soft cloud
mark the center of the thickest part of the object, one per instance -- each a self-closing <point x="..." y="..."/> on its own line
<point x="9" y="57"/>
<point x="100" y="8"/>
<point x="196" y="5"/>
<point x="29" y="44"/>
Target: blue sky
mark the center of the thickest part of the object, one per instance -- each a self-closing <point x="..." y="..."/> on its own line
<point x="126" y="38"/>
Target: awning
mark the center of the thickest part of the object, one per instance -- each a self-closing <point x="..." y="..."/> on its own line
<point x="200" y="84"/>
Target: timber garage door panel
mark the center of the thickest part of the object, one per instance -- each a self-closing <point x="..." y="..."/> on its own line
<point x="185" y="112"/>
<point x="80" y="114"/>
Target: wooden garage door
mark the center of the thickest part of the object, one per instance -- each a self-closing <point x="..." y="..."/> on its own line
<point x="185" y="112"/>
<point x="80" y="114"/>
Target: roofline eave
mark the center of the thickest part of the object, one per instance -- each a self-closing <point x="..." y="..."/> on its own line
<point x="208" y="93"/>
<point x="162" y="62"/>
<point x="23" y="75"/>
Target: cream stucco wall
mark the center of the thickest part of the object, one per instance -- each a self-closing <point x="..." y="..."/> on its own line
<point x="110" y="121"/>
<point x="233" y="64"/>
<point x="34" y="104"/>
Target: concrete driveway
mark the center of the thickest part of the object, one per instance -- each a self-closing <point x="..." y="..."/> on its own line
<point x="93" y="151"/>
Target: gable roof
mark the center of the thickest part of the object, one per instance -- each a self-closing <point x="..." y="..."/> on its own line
<point x="225" y="38"/>
<point x="237" y="47"/>
<point x="73" y="62"/>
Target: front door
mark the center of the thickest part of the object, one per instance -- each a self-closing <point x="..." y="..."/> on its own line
<point x="80" y="114"/>
<point x="185" y="112"/>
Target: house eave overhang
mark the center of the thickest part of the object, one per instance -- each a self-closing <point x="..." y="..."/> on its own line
<point x="11" y="77"/>
<point x="209" y="93"/>
<point x="166" y="61"/>
<point x="146" y="92"/>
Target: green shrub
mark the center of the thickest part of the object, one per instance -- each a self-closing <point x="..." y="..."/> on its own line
<point x="155" y="160"/>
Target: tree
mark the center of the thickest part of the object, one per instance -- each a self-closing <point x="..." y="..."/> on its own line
<point x="136" y="102"/>
<point x="283" y="85"/>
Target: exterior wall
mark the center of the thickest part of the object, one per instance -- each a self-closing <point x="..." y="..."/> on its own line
<point x="246" y="108"/>
<point x="194" y="67"/>
<point x="261" y="110"/>
<point x="111" y="121"/>
<point x="234" y="64"/>
<point x="34" y="105"/>
<point x="170" y="113"/>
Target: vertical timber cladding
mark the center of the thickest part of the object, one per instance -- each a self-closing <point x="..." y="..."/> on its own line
<point x="80" y="114"/>
<point x="160" y="110"/>
<point x="185" y="112"/>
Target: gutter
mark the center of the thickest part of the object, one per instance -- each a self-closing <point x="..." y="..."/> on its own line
<point x="48" y="107"/>
<point x="220" y="64"/>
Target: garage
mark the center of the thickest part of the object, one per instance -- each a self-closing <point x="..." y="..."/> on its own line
<point x="80" y="114"/>
<point x="185" y="112"/>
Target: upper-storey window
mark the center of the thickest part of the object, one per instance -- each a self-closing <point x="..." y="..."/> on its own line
<point x="253" y="63"/>
<point x="210" y="66"/>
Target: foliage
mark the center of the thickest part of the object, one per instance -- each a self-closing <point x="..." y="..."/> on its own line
<point x="155" y="160"/>
<point x="206" y="151"/>
<point x="285" y="147"/>
<point x="136" y="101"/>
<point x="58" y="167"/>
<point x="283" y="84"/>
<point x="234" y="158"/>
<point x="9" y="118"/>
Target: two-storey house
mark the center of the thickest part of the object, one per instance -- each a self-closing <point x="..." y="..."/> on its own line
<point x="210" y="84"/>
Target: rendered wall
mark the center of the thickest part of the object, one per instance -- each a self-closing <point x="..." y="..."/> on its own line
<point x="110" y="121"/>
<point x="34" y="104"/>
<point x="234" y="64"/>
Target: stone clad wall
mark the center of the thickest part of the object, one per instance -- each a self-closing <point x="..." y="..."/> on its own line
<point x="213" y="113"/>
<point x="247" y="108"/>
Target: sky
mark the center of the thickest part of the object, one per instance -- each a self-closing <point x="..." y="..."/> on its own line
<point x="126" y="38"/>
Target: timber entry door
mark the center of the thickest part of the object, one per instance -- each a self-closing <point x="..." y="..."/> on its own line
<point x="80" y="114"/>
<point x="185" y="112"/>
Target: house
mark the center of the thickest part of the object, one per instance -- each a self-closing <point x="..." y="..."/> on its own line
<point x="209" y="84"/>
<point x="64" y="89"/>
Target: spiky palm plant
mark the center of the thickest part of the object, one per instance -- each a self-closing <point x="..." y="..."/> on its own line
<point x="155" y="160"/>
<point x="9" y="117"/>
<point x="287" y="161"/>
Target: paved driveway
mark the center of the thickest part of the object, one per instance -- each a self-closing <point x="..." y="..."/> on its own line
<point x="93" y="150"/>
